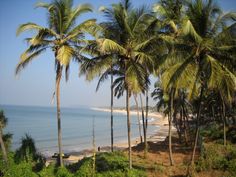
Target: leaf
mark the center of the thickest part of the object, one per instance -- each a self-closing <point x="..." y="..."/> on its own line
<point x="64" y="55"/>
<point x="188" y="29"/>
<point x="26" y="58"/>
<point x="28" y="26"/>
<point x="109" y="46"/>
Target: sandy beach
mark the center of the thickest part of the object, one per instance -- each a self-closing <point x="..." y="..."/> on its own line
<point x="155" y="119"/>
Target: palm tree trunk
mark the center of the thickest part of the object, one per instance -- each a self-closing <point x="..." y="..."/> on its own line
<point x="112" y="135"/>
<point x="139" y="125"/>
<point x="213" y="113"/>
<point x="4" y="152"/>
<point x="223" y="118"/>
<point x="170" y="127"/>
<point x="198" y="128"/>
<point x="144" y="127"/>
<point x="128" y="127"/>
<point x="94" y="151"/>
<point x="146" y="116"/>
<point x="185" y="129"/>
<point x="58" y="80"/>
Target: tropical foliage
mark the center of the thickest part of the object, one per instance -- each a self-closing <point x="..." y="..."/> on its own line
<point x="63" y="36"/>
<point x="189" y="47"/>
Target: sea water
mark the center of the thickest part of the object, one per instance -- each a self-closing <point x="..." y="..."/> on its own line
<point x="77" y="127"/>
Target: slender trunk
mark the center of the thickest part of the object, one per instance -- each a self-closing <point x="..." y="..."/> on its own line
<point x="59" y="116"/>
<point x="94" y="150"/>
<point x="170" y="127"/>
<point x="139" y="125"/>
<point x="224" y="122"/>
<point x="177" y="122"/>
<point x="185" y="129"/>
<point x="181" y="123"/>
<point x="146" y="116"/>
<point x="144" y="127"/>
<point x="128" y="127"/>
<point x="146" y="121"/>
<point x="4" y="152"/>
<point x="197" y="127"/>
<point x="112" y="136"/>
<point x="213" y="113"/>
<point x="187" y="120"/>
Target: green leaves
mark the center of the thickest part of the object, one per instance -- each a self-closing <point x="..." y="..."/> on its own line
<point x="62" y="36"/>
<point x="28" y="26"/>
<point x="220" y="78"/>
<point x="109" y="46"/>
<point x="188" y="29"/>
<point x="27" y="57"/>
<point x="64" y="55"/>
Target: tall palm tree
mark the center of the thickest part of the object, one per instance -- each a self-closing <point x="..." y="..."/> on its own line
<point x="170" y="13"/>
<point x="3" y="123"/>
<point x="204" y="66"/>
<point x="129" y="46"/>
<point x="63" y="37"/>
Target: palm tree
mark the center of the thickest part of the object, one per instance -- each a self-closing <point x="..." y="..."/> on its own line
<point x="170" y="13"/>
<point x="166" y="102"/>
<point x="63" y="37"/>
<point x="129" y="46"/>
<point x="3" y="123"/>
<point x="204" y="66"/>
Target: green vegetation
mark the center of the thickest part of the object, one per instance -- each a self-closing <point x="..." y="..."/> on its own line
<point x="63" y="36"/>
<point x="188" y="46"/>
<point x="107" y="164"/>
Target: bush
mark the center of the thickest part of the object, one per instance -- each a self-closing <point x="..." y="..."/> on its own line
<point x="213" y="131"/>
<point x="63" y="172"/>
<point x="120" y="173"/>
<point x="111" y="161"/>
<point x="107" y="165"/>
<point x="20" y="170"/>
<point x="47" y="171"/>
<point x="232" y="166"/>
<point x="218" y="157"/>
<point x="84" y="168"/>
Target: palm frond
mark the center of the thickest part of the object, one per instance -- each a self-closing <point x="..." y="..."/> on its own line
<point x="83" y="8"/>
<point x="28" y="26"/>
<point x="109" y="46"/>
<point x="26" y="58"/>
<point x="64" y="54"/>
<point x="188" y="29"/>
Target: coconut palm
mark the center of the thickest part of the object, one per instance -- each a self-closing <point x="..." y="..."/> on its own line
<point x="126" y="42"/>
<point x="204" y="66"/>
<point x="63" y="37"/>
<point x="3" y="123"/>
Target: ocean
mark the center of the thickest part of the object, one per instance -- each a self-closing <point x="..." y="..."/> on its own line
<point x="77" y="127"/>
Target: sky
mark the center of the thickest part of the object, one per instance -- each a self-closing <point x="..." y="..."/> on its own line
<point x="36" y="83"/>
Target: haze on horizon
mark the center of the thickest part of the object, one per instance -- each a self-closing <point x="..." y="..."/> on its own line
<point x="36" y="83"/>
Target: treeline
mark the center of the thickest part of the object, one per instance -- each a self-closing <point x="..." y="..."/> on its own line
<point x="188" y="46"/>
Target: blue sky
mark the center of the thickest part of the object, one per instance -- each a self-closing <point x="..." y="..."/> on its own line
<point x="36" y="82"/>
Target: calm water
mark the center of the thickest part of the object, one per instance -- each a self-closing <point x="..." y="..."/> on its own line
<point x="77" y="126"/>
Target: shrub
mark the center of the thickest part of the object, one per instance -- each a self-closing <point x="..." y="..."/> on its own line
<point x="63" y="172"/>
<point x="107" y="165"/>
<point x="20" y="170"/>
<point x="111" y="161"/>
<point x="232" y="166"/>
<point x="84" y="168"/>
<point x="47" y="171"/>
<point x="218" y="157"/>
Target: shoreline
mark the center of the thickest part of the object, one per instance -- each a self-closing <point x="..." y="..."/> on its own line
<point x="159" y="134"/>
